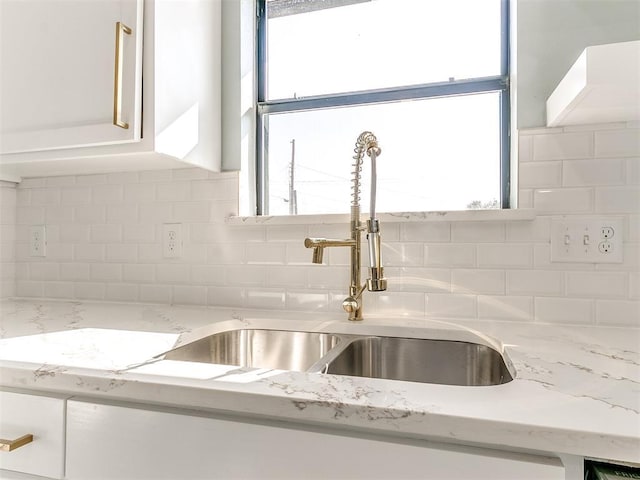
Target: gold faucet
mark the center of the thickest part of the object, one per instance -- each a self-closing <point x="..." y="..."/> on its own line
<point x="366" y="143"/>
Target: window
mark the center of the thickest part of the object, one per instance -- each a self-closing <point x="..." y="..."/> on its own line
<point x="428" y="77"/>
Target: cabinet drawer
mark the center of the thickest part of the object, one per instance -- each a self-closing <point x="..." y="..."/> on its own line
<point x="43" y="417"/>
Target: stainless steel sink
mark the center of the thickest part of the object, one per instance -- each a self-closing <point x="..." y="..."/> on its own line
<point x="443" y="362"/>
<point x="278" y="349"/>
<point x="418" y="360"/>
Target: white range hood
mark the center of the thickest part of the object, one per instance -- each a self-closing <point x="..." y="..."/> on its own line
<point x="602" y="86"/>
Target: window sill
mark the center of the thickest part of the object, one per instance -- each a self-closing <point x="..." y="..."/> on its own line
<point x="398" y="217"/>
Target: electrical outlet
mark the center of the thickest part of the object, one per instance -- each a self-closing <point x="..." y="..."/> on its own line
<point x="172" y="240"/>
<point x="595" y="239"/>
<point x="607" y="232"/>
<point x="37" y="241"/>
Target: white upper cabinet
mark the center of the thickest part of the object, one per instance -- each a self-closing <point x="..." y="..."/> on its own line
<point x="108" y="85"/>
<point x="603" y="85"/>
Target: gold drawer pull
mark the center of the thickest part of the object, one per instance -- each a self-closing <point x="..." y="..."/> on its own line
<point x="8" y="445"/>
<point x="121" y="30"/>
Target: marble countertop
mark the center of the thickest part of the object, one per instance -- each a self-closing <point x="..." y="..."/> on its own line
<point x="576" y="391"/>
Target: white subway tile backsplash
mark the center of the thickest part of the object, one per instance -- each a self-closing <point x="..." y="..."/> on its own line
<point x="477" y="232"/>
<point x="632" y="169"/>
<point x="122" y="292"/>
<point x="173" y="273"/>
<point x="563" y="200"/>
<point x="578" y="173"/>
<point x="192" y="212"/>
<point x="478" y="281"/>
<point x="58" y="214"/>
<point x="538" y="230"/>
<point x="265" y="299"/>
<point x="139" y="233"/>
<point x="107" y="194"/>
<point x="325" y="277"/>
<point x="425" y="232"/>
<point x="59" y="290"/>
<point x="634" y="285"/>
<point x="502" y="255"/>
<point x="450" y="255"/>
<point x="399" y="254"/>
<point x="406" y="302"/>
<point x="618" y="312"/>
<point x="75" y="195"/>
<point x="190" y="295"/>
<point x="89" y="253"/>
<point x="122" y="213"/>
<point x="267" y="254"/>
<point x="44" y="271"/>
<point x="74" y="271"/>
<point x="562" y="146"/>
<point x="540" y="174"/>
<point x="535" y="282"/>
<point x="108" y="272"/>
<point x="139" y="192"/>
<point x="525" y="149"/>
<point x="451" y="305"/>
<point x="116" y="252"/>
<point x="618" y="143"/>
<point x="105" y="243"/>
<point x="155" y="293"/>
<point x="226" y="253"/>
<point x="173" y="191"/>
<point x="27" y="288"/>
<point x="108" y="233"/>
<point x="28" y="215"/>
<point x="419" y="279"/>
<point x="138" y="273"/>
<point x="246" y="275"/>
<point x="306" y="300"/>
<point x="618" y="199"/>
<point x="89" y="291"/>
<point x="563" y="310"/>
<point x="287" y="276"/>
<point x="597" y="284"/>
<point x="88" y="214"/>
<point x="40" y="196"/>
<point x="505" y="307"/>
<point x="225" y="296"/>
<point x="208" y="275"/>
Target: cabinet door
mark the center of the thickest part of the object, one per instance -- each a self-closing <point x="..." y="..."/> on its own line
<point x="43" y="417"/>
<point x="113" y="442"/>
<point x="58" y="85"/>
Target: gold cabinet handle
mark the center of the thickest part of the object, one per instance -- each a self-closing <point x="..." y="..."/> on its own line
<point x="121" y="29"/>
<point x="9" y="445"/>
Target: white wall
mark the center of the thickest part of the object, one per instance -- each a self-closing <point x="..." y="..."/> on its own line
<point x="105" y="244"/>
<point x="552" y="34"/>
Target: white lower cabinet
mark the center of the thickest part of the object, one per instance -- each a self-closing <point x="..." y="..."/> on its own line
<point x="117" y="442"/>
<point x="44" y="418"/>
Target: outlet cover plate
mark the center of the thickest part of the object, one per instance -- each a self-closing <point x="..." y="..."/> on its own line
<point x="172" y="240"/>
<point x="587" y="239"/>
<point x="37" y="241"/>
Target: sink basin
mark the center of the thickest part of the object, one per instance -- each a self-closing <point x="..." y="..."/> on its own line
<point x="418" y="360"/>
<point x="278" y="349"/>
<point x="445" y="362"/>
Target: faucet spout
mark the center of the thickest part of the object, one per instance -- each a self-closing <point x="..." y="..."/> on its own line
<point x="366" y="143"/>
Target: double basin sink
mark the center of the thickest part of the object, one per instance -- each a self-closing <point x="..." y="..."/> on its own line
<point x="445" y="362"/>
